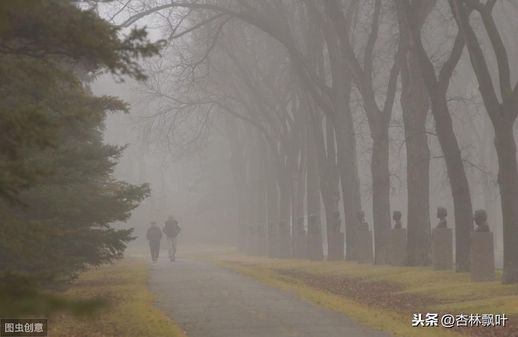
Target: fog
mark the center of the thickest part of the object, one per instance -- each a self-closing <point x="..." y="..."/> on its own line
<point x="258" y="168"/>
<point x="226" y="78"/>
<point x="195" y="187"/>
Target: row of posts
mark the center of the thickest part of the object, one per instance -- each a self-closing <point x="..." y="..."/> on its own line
<point x="274" y="241"/>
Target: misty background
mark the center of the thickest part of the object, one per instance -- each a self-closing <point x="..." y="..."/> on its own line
<point x="186" y="156"/>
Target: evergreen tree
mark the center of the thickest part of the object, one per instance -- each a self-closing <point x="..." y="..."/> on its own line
<point x="58" y="200"/>
<point x="41" y="43"/>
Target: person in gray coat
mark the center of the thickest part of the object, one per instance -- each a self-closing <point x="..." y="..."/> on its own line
<point x="171" y="230"/>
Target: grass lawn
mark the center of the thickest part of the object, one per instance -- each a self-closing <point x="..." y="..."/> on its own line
<point x="384" y="297"/>
<point x="129" y="309"/>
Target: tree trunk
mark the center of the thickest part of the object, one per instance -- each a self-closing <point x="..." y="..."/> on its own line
<point x="238" y="164"/>
<point x="345" y="141"/>
<point x="508" y="182"/>
<point x="325" y="159"/>
<point x="381" y="194"/>
<point x="314" y="233"/>
<point x="412" y="20"/>
<point x="458" y="180"/>
<point x="284" y="240"/>
<point x="297" y="218"/>
<point x="273" y="211"/>
<point x="377" y="117"/>
<point x="503" y="115"/>
<point x="260" y="190"/>
<point x="415" y="106"/>
<point x="331" y="198"/>
<point x="350" y="182"/>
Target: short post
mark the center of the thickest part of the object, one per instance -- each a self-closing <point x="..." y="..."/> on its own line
<point x="397" y="242"/>
<point x="299" y="244"/>
<point x="335" y="250"/>
<point x="284" y="239"/>
<point x="397" y="248"/>
<point x="262" y="249"/>
<point x="314" y="239"/>
<point x="442" y="243"/>
<point x="335" y="246"/>
<point x="273" y="240"/>
<point x="442" y="249"/>
<point x="364" y="245"/>
<point x="482" y="250"/>
<point x="251" y="242"/>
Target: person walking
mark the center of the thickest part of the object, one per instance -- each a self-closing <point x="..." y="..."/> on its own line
<point x="154" y="235"/>
<point x="171" y="230"/>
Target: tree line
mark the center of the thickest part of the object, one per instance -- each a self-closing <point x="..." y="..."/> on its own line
<point x="306" y="90"/>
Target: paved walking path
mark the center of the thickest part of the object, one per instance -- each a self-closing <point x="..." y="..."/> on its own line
<point x="210" y="301"/>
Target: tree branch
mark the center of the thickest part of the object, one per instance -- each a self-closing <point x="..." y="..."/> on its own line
<point x="504" y="71"/>
<point x="478" y="61"/>
<point x="371" y="41"/>
<point x="449" y="66"/>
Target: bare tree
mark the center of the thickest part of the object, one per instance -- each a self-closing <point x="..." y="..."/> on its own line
<point x="501" y="104"/>
<point x="414" y="14"/>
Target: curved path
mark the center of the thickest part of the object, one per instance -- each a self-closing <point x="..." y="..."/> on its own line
<point x="210" y="301"/>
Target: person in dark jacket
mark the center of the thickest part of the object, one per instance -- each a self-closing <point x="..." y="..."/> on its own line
<point x="171" y="230"/>
<point x="154" y="235"/>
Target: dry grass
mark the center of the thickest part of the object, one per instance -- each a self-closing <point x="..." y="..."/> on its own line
<point x="384" y="297"/>
<point x="130" y="310"/>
